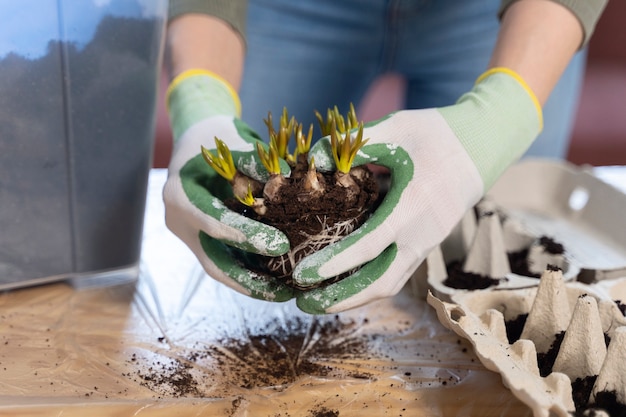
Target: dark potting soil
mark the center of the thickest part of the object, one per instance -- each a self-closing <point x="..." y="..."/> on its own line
<point x="298" y="220"/>
<point x="323" y="412"/>
<point x="581" y="387"/>
<point x="515" y="327"/>
<point x="545" y="360"/>
<point x="607" y="401"/>
<point x="272" y="357"/>
<point x="551" y="246"/>
<point x="303" y="221"/>
<point x="518" y="262"/>
<point x="581" y="390"/>
<point x="463" y="280"/>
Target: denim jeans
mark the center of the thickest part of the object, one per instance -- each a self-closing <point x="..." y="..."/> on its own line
<point x="310" y="55"/>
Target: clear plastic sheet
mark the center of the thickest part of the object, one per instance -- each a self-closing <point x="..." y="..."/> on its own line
<point x="179" y="343"/>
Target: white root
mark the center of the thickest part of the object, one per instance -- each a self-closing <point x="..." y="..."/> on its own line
<point x="286" y="263"/>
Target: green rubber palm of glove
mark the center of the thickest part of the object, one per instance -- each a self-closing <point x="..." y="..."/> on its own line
<point x="441" y="162"/>
<point x="201" y="107"/>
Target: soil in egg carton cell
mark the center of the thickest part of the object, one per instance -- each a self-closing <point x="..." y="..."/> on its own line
<point x="581" y="387"/>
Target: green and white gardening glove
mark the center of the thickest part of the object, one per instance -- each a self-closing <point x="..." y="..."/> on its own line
<point x="203" y="106"/>
<point x="442" y="161"/>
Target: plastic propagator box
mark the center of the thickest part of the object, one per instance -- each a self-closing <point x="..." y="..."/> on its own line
<point x="77" y="115"/>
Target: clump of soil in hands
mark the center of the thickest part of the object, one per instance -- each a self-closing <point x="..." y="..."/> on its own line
<point x="314" y="209"/>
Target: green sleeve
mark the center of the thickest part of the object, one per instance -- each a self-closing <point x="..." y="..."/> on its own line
<point x="587" y="11"/>
<point x="232" y="12"/>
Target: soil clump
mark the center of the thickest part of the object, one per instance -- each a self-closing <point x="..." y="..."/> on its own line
<point x="313" y="225"/>
<point x="272" y="357"/>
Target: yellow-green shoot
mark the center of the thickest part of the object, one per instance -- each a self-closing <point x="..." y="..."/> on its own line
<point x="249" y="200"/>
<point x="344" y="149"/>
<point x="223" y="162"/>
<point x="271" y="161"/>
<point x="281" y="138"/>
<point x="303" y="142"/>
<point x="269" y="158"/>
<point x="341" y="124"/>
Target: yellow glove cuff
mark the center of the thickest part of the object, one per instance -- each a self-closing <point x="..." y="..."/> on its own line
<point x="198" y="94"/>
<point x="523" y="83"/>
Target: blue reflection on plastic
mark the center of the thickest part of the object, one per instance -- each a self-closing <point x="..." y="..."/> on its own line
<point x="28" y="26"/>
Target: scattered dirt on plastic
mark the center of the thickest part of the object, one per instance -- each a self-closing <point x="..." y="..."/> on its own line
<point x="323" y="412"/>
<point x="280" y="358"/>
<point x="273" y="357"/>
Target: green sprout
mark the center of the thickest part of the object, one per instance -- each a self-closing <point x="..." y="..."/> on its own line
<point x="257" y="204"/>
<point x="280" y="139"/>
<point x="247" y="199"/>
<point x="223" y="162"/>
<point x="303" y="143"/>
<point x="344" y="148"/>
<point x="270" y="159"/>
<point x="341" y="124"/>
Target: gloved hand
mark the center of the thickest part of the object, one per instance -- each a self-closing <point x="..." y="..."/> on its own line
<point x="202" y="106"/>
<point x="441" y="161"/>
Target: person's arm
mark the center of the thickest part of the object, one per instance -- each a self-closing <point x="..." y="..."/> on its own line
<point x="537" y="40"/>
<point x="200" y="41"/>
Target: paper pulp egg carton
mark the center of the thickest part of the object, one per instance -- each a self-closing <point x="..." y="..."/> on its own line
<point x="558" y="324"/>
